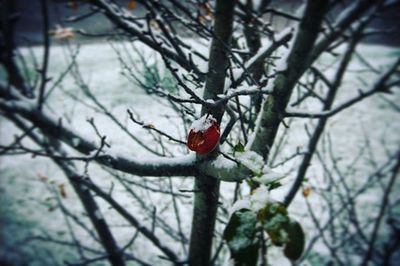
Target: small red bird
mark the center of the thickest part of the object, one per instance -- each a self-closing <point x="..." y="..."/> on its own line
<point x="204" y="135"/>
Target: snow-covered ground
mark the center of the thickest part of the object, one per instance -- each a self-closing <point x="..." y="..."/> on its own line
<point x="27" y="204"/>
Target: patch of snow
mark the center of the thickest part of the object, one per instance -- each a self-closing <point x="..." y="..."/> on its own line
<point x="75" y="142"/>
<point x="203" y="123"/>
<point x="239" y="205"/>
<point x="268" y="176"/>
<point x="245" y="88"/>
<point x="259" y="198"/>
<point x="257" y="126"/>
<point x="236" y="73"/>
<point x="178" y="161"/>
<point x="222" y="162"/>
<point x="266" y="47"/>
<point x="84" y="188"/>
<point x="251" y="160"/>
<point x="254" y="202"/>
<point x="281" y="65"/>
<point x="276" y="221"/>
<point x="202" y="65"/>
<point x="244" y="232"/>
<point x="98" y="215"/>
<point x="210" y="101"/>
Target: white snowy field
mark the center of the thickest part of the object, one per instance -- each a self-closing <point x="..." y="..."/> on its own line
<point x="34" y="230"/>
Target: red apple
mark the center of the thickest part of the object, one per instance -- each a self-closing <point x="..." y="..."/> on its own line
<point x="204" y="135"/>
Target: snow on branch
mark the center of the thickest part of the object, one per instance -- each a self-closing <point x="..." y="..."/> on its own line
<point x="187" y="165"/>
<point x="80" y="183"/>
<point x="196" y="99"/>
<point x="158" y="166"/>
<point x="280" y="39"/>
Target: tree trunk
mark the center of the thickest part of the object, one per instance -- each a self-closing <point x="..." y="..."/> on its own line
<point x="207" y="187"/>
<point x="274" y="108"/>
<point x="204" y="216"/>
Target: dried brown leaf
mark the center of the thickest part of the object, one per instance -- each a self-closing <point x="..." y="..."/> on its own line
<point x="132" y="5"/>
<point x="306" y="191"/>
<point x="61" y="188"/>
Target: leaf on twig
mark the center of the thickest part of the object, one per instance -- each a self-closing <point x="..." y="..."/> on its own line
<point x="61" y="188"/>
<point x="242" y="230"/>
<point x="274" y="185"/>
<point x="238" y="147"/>
<point x="295" y="246"/>
<point x="132" y="4"/>
<point x="240" y="235"/>
<point x="306" y="191"/>
<point x="275" y="219"/>
<point x="282" y="230"/>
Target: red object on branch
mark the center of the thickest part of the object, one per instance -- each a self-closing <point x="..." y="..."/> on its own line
<point x="204" y="135"/>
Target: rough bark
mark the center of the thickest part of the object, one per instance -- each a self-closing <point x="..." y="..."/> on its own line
<point x="274" y="109"/>
<point x="206" y="199"/>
